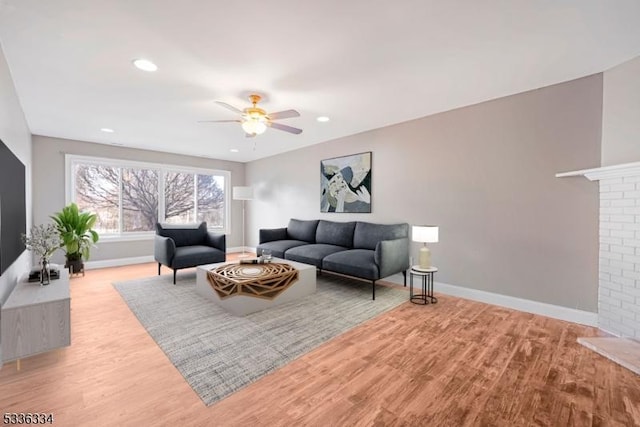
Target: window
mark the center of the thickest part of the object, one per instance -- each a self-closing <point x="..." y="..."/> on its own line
<point x="130" y="197"/>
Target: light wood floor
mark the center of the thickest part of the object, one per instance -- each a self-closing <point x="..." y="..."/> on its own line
<point x="454" y="363"/>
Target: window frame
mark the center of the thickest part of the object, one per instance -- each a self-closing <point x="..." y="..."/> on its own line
<point x="70" y="189"/>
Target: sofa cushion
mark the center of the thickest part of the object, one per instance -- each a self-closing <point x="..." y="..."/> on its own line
<point x="302" y="230"/>
<point x="335" y="233"/>
<point x="191" y="256"/>
<point x="279" y="247"/>
<point x="354" y="262"/>
<point x="184" y="235"/>
<point x="367" y="235"/>
<point x="312" y="254"/>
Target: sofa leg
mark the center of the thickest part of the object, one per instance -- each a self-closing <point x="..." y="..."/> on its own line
<point x="159" y="265"/>
<point x="404" y="273"/>
<point x="174" y="276"/>
<point x="373" y="289"/>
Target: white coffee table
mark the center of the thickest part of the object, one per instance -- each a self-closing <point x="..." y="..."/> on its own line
<point x="243" y="288"/>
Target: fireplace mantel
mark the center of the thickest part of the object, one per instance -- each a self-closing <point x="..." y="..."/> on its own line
<point x="605" y="172"/>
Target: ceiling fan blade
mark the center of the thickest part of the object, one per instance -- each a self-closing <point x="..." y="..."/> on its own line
<point x="283" y="114"/>
<point x="249" y="135"/>
<point x="219" y="121"/>
<point x="285" y="128"/>
<point x="229" y="107"/>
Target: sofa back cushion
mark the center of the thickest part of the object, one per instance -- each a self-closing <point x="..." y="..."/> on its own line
<point x="302" y="230"/>
<point x="335" y="233"/>
<point x="367" y="235"/>
<point x="184" y="234"/>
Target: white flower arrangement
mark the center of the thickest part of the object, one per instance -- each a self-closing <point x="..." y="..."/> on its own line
<point x="44" y="240"/>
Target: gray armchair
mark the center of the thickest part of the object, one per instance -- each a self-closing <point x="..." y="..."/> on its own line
<point x="184" y="246"/>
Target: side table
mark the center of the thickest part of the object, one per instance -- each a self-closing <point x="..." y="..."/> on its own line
<point x="426" y="274"/>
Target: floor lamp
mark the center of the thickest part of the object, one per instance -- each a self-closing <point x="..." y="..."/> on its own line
<point x="243" y="193"/>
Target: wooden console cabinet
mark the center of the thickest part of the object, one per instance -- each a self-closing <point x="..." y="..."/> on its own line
<point x="36" y="318"/>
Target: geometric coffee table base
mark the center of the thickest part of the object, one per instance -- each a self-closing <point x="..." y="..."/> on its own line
<point x="255" y="280"/>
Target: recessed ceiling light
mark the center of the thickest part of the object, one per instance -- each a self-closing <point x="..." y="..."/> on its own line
<point x="234" y="150"/>
<point x="145" y="65"/>
<point x="107" y="130"/>
<point x="323" y="119"/>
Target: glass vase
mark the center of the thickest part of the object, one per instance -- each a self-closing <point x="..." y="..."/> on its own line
<point x="45" y="274"/>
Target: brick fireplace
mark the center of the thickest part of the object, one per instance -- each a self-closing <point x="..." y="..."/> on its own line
<point x="619" y="284"/>
<point x="619" y="281"/>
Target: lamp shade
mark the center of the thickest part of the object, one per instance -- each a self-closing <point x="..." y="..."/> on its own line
<point x="242" y="193"/>
<point x="424" y="233"/>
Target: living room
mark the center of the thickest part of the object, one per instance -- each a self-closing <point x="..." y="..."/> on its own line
<point x="511" y="232"/>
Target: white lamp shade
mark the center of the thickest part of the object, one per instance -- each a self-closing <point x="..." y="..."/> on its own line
<point x="242" y="193"/>
<point x="424" y="233"/>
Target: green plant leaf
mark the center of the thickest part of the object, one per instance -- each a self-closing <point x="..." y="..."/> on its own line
<point x="75" y="230"/>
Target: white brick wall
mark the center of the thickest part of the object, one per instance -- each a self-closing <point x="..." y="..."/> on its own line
<point x="619" y="291"/>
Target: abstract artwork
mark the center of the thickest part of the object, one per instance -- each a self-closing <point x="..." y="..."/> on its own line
<point x="345" y="184"/>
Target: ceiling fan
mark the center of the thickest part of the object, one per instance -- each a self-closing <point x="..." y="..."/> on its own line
<point x="255" y="121"/>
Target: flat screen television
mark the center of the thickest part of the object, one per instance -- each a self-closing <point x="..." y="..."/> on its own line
<point x="13" y="209"/>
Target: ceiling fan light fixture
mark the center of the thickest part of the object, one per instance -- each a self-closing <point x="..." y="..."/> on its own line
<point x="254" y="126"/>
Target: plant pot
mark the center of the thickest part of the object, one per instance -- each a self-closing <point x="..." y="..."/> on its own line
<point x="75" y="266"/>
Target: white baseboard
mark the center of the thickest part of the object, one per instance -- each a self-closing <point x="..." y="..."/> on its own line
<point x="240" y="249"/>
<point x="613" y="334"/>
<point x="555" y="311"/>
<point x="117" y="262"/>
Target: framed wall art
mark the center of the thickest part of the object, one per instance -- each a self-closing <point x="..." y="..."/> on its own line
<point x="345" y="184"/>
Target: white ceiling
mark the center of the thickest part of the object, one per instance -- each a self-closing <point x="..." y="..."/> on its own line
<point x="364" y="63"/>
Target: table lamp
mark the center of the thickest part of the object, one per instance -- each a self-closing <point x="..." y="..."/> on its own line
<point x="424" y="234"/>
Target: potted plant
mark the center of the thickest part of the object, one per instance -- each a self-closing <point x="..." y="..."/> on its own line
<point x="76" y="235"/>
<point x="43" y="240"/>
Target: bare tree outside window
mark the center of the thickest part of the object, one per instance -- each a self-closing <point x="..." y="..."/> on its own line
<point x="97" y="190"/>
<point x="127" y="199"/>
<point x="210" y="194"/>
<point x="139" y="199"/>
<point x="179" y="200"/>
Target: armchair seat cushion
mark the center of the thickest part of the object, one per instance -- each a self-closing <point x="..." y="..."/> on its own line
<point x="354" y="262"/>
<point x="279" y="247"/>
<point x="312" y="254"/>
<point x="189" y="256"/>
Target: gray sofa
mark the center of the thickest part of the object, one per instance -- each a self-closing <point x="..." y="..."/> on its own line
<point x="359" y="249"/>
<point x="184" y="246"/>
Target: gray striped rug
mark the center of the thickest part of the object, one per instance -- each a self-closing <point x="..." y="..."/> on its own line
<point x="219" y="353"/>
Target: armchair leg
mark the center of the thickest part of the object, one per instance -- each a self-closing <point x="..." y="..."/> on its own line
<point x="159" y="265"/>
<point x="174" y="275"/>
<point x="404" y="274"/>
<point x="373" y="289"/>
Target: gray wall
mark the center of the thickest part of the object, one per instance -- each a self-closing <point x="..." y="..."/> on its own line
<point x="621" y="114"/>
<point x="49" y="187"/>
<point x="485" y="175"/>
<point x="14" y="132"/>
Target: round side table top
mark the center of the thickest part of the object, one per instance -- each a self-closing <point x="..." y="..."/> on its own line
<point x="418" y="270"/>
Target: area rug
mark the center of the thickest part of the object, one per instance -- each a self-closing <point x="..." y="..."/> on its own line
<point x="219" y="353"/>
